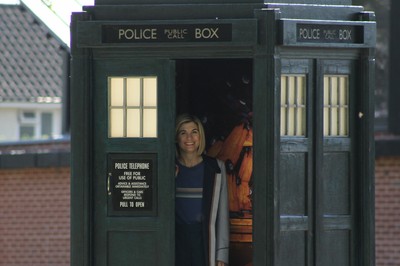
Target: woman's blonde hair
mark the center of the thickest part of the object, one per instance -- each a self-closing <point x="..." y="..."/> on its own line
<point x="187" y="118"/>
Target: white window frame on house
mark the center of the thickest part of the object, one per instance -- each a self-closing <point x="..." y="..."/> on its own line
<point x="35" y="120"/>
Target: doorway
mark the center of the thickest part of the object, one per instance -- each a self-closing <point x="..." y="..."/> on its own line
<point x="220" y="93"/>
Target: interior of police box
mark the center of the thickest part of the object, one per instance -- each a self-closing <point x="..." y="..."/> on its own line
<point x="219" y="92"/>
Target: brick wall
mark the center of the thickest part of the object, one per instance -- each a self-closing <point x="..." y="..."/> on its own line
<point x="35" y="217"/>
<point x="387" y="212"/>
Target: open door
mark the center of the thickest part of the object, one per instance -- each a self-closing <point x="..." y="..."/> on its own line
<point x="133" y="169"/>
<point x="220" y="92"/>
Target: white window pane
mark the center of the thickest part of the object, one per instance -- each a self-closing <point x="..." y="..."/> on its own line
<point x="300" y="91"/>
<point x="133" y="92"/>
<point x="133" y="123"/>
<point x="326" y="91"/>
<point x="116" y="91"/>
<point x="116" y="123"/>
<point x="283" y="105"/>
<point x="291" y="120"/>
<point x="150" y="123"/>
<point x="301" y="100"/>
<point x="343" y="91"/>
<point x="344" y="122"/>
<point x="283" y="90"/>
<point x="300" y="122"/>
<point x="334" y="91"/>
<point x="334" y="122"/>
<point x="150" y="91"/>
<point x="291" y="91"/>
<point x="326" y="121"/>
<point x="283" y="121"/>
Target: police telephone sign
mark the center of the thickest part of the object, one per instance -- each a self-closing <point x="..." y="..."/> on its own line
<point x="167" y="33"/>
<point x="130" y="183"/>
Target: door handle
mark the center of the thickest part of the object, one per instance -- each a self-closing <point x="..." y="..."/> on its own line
<point x="108" y="184"/>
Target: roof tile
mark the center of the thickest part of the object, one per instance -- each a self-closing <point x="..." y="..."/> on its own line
<point x="30" y="59"/>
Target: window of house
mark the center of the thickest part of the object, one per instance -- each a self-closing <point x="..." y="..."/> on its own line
<point x="35" y="125"/>
<point x="46" y="125"/>
<point x="28" y="122"/>
<point x="26" y="132"/>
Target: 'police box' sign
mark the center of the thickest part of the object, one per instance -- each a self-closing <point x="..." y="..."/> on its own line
<point x="166" y="33"/>
<point x="130" y="182"/>
<point x="321" y="33"/>
<point x="352" y="34"/>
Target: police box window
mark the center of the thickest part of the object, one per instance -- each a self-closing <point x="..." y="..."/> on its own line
<point x="293" y="105"/>
<point x="132" y="107"/>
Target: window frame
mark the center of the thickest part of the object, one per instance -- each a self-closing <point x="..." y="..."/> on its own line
<point x="36" y="123"/>
<point x="140" y="106"/>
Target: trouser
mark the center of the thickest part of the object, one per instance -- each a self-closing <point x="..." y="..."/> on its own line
<point x="189" y="247"/>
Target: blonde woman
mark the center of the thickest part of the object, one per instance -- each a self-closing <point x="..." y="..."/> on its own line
<point x="201" y="205"/>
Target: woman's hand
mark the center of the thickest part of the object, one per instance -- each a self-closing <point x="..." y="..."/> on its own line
<point x="220" y="263"/>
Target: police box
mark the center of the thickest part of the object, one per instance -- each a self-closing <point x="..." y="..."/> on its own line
<point x="286" y="88"/>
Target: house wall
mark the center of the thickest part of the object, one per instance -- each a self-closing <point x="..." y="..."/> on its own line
<point x="10" y="116"/>
<point x="387" y="211"/>
<point x="35" y="206"/>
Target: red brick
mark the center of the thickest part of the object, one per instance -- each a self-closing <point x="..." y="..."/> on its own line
<point x="35" y="224"/>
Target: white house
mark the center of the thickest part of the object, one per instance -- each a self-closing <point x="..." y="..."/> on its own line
<point x="33" y="77"/>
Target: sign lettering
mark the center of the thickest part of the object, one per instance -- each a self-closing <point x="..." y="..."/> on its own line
<point x="167" y="33"/>
<point x="131" y="178"/>
<point x="137" y="34"/>
<point x="321" y="33"/>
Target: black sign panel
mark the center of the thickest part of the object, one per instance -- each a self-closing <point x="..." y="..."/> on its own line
<point x="130" y="182"/>
<point x="322" y="33"/>
<point x="166" y="33"/>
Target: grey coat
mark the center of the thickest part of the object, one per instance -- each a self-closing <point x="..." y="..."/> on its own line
<point x="215" y="211"/>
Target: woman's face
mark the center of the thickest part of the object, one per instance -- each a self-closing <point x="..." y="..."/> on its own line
<point x="188" y="138"/>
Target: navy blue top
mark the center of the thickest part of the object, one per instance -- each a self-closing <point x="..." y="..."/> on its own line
<point x="189" y="194"/>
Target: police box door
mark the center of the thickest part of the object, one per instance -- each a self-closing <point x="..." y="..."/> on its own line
<point x="319" y="208"/>
<point x="133" y="192"/>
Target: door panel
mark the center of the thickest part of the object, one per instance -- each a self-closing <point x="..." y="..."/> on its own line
<point x="335" y="187"/>
<point x="293" y="192"/>
<point x="296" y="171"/>
<point x="337" y="248"/>
<point x="133" y="220"/>
<point x="336" y="183"/>
<point x="123" y="248"/>
<point x="317" y="195"/>
<point x="294" y="242"/>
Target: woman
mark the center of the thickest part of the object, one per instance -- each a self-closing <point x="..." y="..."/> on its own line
<point x="202" y="213"/>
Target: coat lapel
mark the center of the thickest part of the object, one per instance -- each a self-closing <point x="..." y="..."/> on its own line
<point x="210" y="171"/>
